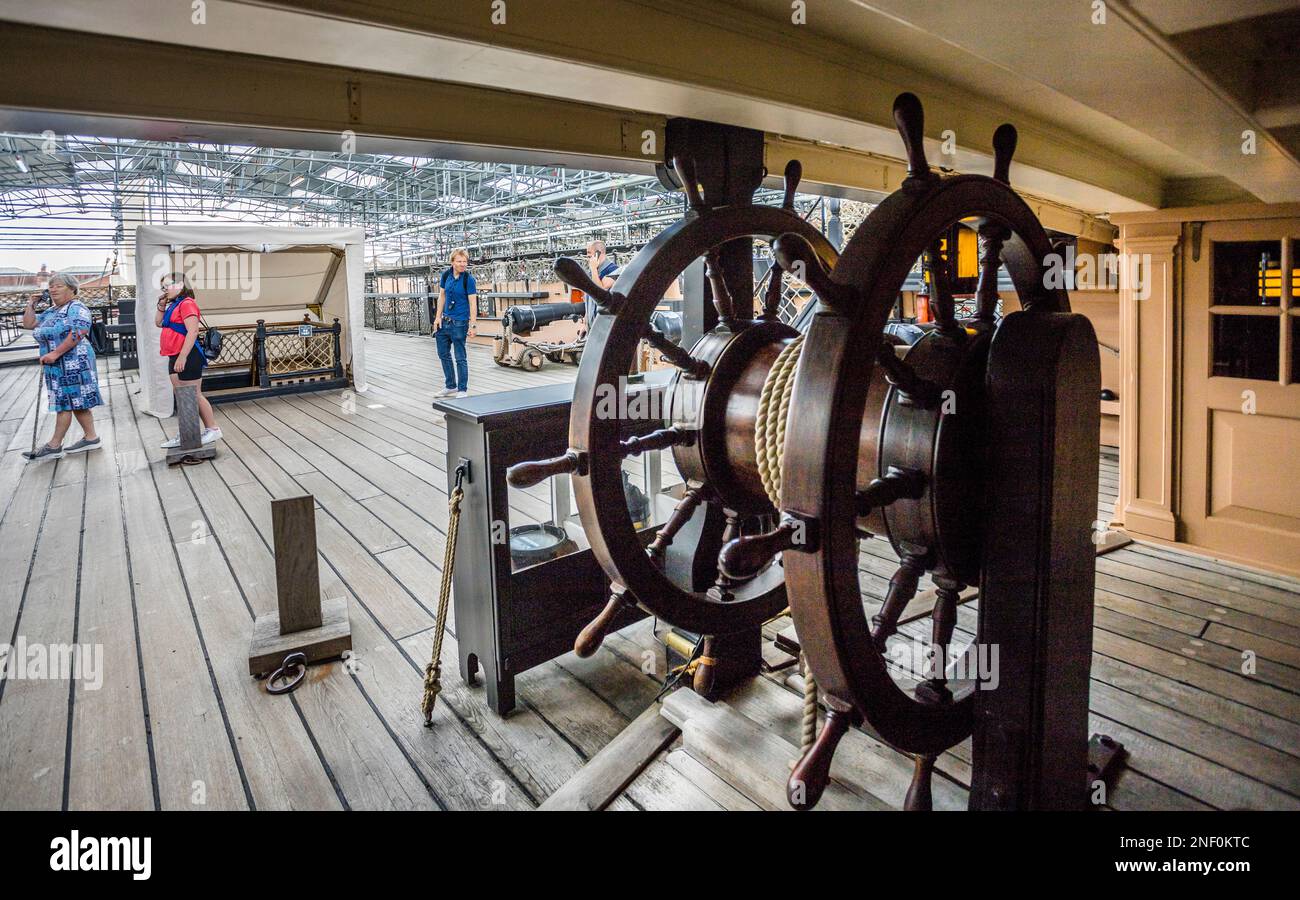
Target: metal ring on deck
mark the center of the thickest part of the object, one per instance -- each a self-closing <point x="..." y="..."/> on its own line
<point x="292" y="661"/>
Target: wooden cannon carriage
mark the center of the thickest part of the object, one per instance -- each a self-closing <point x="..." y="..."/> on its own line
<point x="973" y="451"/>
<point x="530" y="335"/>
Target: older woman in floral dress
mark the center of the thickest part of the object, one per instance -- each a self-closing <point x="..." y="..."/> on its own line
<point x="71" y="380"/>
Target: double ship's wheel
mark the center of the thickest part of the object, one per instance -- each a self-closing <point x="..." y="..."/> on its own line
<point x="885" y="444"/>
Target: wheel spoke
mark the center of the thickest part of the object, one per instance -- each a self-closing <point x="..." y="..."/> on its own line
<point x="775" y="291"/>
<point x="676" y="355"/>
<point x="902" y="588"/>
<point x="991" y="238"/>
<point x="677" y="520"/>
<point x="722" y="300"/>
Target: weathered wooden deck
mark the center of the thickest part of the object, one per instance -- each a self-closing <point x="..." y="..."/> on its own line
<point x="165" y="569"/>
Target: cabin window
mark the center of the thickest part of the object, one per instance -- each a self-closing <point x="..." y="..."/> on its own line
<point x="1249" y="309"/>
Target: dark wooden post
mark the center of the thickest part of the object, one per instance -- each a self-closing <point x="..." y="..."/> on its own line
<point x="302" y="623"/>
<point x="338" y="354"/>
<point x="297" y="585"/>
<point x="259" y="354"/>
<point x="191" y="434"/>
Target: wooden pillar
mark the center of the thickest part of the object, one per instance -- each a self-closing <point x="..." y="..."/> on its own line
<point x="1149" y="352"/>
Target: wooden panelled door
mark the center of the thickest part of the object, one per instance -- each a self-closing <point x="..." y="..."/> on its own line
<point x="1241" y="392"/>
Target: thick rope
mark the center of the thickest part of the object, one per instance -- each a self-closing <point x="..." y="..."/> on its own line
<point x="433" y="671"/>
<point x="773" y="411"/>
<point x="769" y="448"/>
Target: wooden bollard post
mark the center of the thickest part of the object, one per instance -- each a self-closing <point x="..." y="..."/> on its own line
<point x="191" y="431"/>
<point x="303" y="623"/>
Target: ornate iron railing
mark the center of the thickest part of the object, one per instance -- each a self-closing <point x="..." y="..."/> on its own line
<point x="402" y="313"/>
<point x="302" y="352"/>
<point x="95" y="298"/>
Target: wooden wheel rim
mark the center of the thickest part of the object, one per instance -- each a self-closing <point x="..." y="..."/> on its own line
<point x="839" y="353"/>
<point x="611" y="344"/>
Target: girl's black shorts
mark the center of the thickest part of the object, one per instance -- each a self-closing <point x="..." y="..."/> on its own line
<point x="193" y="370"/>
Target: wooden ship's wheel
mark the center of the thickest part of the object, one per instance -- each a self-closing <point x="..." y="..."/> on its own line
<point x="927" y="449"/>
<point x="713" y="399"/>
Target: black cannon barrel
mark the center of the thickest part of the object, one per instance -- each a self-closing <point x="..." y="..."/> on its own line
<point x="523" y="319"/>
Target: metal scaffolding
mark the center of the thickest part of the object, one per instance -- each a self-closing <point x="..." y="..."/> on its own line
<point x="89" y="193"/>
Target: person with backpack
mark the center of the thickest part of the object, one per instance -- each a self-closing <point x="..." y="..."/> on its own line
<point x="455" y="320"/>
<point x="67" y="365"/>
<point x="178" y="318"/>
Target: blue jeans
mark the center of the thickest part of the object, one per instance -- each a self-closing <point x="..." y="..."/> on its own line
<point x="451" y="336"/>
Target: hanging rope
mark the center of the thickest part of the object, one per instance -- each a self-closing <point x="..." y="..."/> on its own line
<point x="433" y="671"/>
<point x="809" y="733"/>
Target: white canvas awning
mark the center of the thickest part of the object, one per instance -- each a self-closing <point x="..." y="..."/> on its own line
<point x="242" y="273"/>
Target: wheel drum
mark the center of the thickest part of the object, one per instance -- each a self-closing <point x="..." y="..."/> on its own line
<point x="819" y="472"/>
<point x="611" y="343"/>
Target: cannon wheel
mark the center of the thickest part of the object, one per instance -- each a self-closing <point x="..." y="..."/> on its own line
<point x="531" y="359"/>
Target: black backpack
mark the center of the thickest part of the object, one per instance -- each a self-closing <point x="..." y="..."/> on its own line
<point x="98" y="337"/>
<point x="210" y="342"/>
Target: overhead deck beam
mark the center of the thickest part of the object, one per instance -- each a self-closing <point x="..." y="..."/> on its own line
<point x="664" y="57"/>
<point x="137" y="89"/>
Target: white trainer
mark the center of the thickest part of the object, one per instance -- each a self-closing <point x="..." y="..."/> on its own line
<point x="461" y="394"/>
<point x="445" y="392"/>
<point x="211" y="435"/>
<point x="171" y="444"/>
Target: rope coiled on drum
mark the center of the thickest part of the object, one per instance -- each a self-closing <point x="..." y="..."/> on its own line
<point x="773" y="412"/>
<point x="769" y="448"/>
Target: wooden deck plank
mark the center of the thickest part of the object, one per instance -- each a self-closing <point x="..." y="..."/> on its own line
<point x="1279" y="651"/>
<point x="616" y="764"/>
<point x="1189" y="558"/>
<point x="109" y="767"/>
<point x="1248" y="770"/>
<point x="34" y="709"/>
<point x="540" y="760"/>
<point x="194" y="758"/>
<point x="1231" y="585"/>
<point x="1117" y="588"/>
<point x="1275" y="609"/>
<point x="278" y="759"/>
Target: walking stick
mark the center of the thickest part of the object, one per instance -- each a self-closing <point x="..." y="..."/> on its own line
<point x="36" y="413"/>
